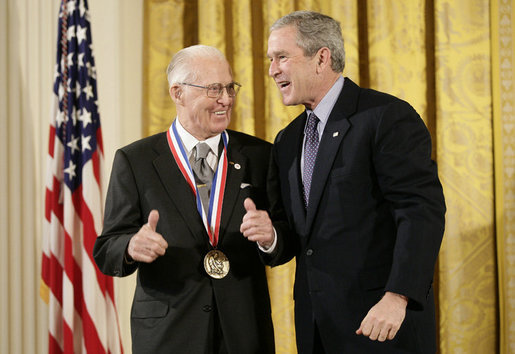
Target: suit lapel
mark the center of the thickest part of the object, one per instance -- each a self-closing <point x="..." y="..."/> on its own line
<point x="294" y="176"/>
<point x="334" y="132"/>
<point x="178" y="189"/>
<point x="235" y="174"/>
<point x="329" y="145"/>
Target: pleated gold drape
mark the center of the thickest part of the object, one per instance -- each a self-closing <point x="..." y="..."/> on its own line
<point x="454" y="61"/>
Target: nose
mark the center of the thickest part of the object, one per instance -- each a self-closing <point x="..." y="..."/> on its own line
<point x="273" y="69"/>
<point x="224" y="98"/>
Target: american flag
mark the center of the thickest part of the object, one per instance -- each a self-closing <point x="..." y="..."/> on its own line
<point x="82" y="312"/>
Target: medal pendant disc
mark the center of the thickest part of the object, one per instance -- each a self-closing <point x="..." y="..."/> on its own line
<point x="216" y="264"/>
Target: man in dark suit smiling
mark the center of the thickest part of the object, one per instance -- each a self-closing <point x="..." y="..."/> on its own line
<point x="173" y="212"/>
<point x="361" y="196"/>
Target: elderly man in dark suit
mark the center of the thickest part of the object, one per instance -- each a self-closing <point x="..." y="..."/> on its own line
<point x="362" y="206"/>
<point x="173" y="213"/>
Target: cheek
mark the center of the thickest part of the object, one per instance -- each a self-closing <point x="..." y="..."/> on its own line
<point x="297" y="76"/>
<point x="201" y="109"/>
<point x="303" y="80"/>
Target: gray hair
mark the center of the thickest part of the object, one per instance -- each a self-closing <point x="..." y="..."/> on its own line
<point x="182" y="68"/>
<point x="315" y="31"/>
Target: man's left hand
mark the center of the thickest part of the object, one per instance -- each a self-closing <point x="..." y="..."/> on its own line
<point x="385" y="318"/>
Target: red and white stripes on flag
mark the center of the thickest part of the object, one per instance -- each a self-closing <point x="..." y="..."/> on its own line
<point x="81" y="306"/>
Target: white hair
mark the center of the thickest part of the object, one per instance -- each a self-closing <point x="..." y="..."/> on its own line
<point x="181" y="68"/>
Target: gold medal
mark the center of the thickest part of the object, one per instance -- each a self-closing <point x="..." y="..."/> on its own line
<point x="216" y="264"/>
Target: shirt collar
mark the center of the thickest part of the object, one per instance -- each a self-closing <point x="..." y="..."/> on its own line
<point x="324" y="108"/>
<point x="189" y="141"/>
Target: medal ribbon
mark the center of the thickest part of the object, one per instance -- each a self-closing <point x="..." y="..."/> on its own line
<point x="212" y="219"/>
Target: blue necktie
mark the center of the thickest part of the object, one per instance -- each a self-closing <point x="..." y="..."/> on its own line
<point x="310" y="154"/>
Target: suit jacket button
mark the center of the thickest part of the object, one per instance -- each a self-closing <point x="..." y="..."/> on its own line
<point x="309" y="252"/>
<point x="206" y="308"/>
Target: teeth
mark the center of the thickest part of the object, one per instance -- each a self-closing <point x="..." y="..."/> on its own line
<point x="220" y="113"/>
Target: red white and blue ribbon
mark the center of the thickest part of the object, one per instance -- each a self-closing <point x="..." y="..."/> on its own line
<point x="213" y="217"/>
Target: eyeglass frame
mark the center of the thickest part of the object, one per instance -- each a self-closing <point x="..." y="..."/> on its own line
<point x="237" y="87"/>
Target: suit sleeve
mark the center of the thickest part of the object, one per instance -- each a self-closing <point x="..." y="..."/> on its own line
<point x="286" y="246"/>
<point x="409" y="181"/>
<point x="122" y="219"/>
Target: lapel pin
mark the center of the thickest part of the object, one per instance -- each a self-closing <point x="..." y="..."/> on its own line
<point x="237" y="166"/>
<point x="335" y="134"/>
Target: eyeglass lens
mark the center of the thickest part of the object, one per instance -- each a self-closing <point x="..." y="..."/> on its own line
<point x="215" y="90"/>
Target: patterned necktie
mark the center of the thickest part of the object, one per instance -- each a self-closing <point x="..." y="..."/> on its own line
<point x="310" y="154"/>
<point x="203" y="172"/>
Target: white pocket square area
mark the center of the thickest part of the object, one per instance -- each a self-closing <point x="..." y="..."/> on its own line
<point x="245" y="185"/>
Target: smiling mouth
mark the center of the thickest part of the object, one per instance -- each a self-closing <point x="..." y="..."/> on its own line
<point x="283" y="84"/>
<point x="220" y="113"/>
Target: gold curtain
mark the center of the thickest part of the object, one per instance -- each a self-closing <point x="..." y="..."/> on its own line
<point x="454" y="61"/>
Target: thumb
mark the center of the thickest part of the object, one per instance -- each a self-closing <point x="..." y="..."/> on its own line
<point x="153" y="218"/>
<point x="249" y="204"/>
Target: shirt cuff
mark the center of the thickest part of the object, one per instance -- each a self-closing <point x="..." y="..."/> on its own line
<point x="272" y="247"/>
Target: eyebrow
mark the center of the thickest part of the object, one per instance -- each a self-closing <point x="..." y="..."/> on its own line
<point x="277" y="53"/>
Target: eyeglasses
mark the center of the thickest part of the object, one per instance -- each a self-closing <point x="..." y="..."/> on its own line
<point x="216" y="90"/>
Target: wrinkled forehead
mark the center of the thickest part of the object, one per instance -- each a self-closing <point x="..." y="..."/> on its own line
<point x="212" y="70"/>
<point x="283" y="41"/>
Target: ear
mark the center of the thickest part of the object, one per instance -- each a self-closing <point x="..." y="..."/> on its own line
<point x="176" y="93"/>
<point x="324" y="59"/>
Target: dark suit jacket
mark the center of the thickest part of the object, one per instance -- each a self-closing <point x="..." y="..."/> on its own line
<point x="374" y="223"/>
<point x="174" y="299"/>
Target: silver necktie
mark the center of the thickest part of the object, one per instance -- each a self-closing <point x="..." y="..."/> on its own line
<point x="203" y="172"/>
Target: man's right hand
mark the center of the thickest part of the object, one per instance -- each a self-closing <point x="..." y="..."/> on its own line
<point x="256" y="225"/>
<point x="146" y="245"/>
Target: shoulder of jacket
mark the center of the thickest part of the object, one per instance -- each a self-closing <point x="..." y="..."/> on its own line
<point x="245" y="139"/>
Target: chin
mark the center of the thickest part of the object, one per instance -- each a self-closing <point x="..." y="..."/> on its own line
<point x="289" y="102"/>
<point x="221" y="127"/>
